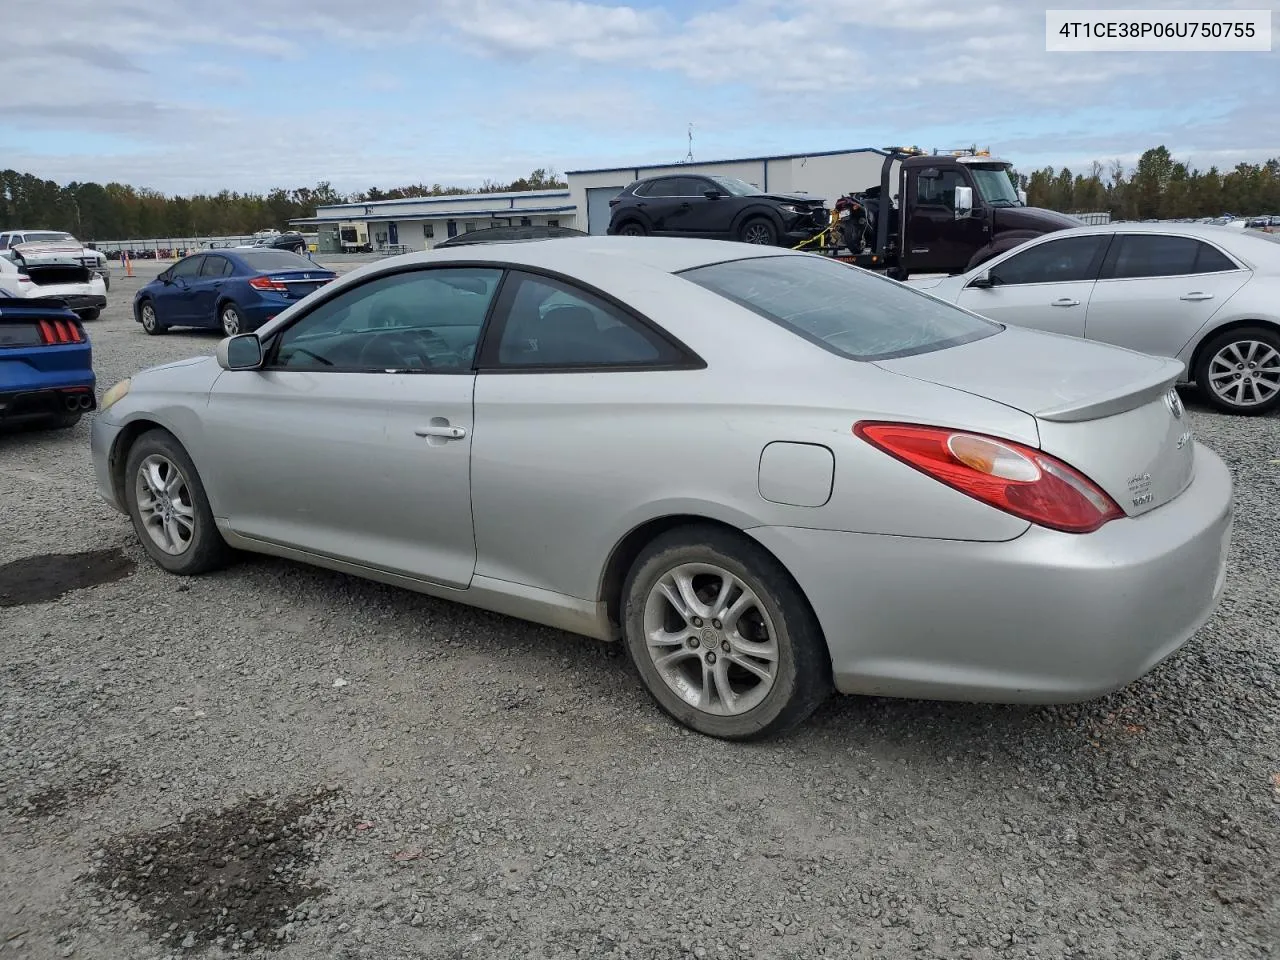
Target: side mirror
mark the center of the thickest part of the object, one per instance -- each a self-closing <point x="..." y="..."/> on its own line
<point x="165" y="277"/>
<point x="982" y="281"/>
<point x="964" y="202"/>
<point x="242" y="352"/>
<point x="1022" y="196"/>
<point x="711" y="194"/>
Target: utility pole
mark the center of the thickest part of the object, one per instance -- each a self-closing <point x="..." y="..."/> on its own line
<point x="688" y="158"/>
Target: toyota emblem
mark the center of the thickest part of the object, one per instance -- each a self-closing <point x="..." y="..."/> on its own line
<point x="1174" y="402"/>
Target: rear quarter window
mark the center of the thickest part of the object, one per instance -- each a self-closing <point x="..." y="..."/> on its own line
<point x="850" y="312"/>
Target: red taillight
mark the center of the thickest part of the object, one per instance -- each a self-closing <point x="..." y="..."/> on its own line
<point x="59" y="331"/>
<point x="1017" y="479"/>
<point x="266" y="283"/>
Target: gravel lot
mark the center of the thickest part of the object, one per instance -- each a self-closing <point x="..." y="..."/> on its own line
<point x="277" y="758"/>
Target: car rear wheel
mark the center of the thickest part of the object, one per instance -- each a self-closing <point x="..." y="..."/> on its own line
<point x="232" y="324"/>
<point x="631" y="229"/>
<point x="721" y="635"/>
<point x="759" y="231"/>
<point x="168" y="507"/>
<point x="1239" y="372"/>
<point x="150" y="322"/>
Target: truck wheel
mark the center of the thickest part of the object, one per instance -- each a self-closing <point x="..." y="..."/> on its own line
<point x="759" y="231"/>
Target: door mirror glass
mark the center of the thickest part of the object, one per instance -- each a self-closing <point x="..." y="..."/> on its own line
<point x="243" y="352"/>
<point x="982" y="280"/>
<point x="166" y="277"/>
<point x="964" y="202"/>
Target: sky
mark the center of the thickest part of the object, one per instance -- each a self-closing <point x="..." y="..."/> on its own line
<point x="204" y="95"/>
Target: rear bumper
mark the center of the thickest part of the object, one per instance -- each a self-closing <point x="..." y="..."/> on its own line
<point x="1048" y="617"/>
<point x="21" y="406"/>
<point x="84" y="301"/>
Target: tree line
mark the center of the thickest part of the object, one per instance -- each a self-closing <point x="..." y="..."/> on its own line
<point x="118" y="211"/>
<point x="1157" y="187"/>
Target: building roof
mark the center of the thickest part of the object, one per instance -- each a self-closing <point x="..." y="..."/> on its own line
<point x="502" y="212"/>
<point x="449" y="198"/>
<point x="700" y="163"/>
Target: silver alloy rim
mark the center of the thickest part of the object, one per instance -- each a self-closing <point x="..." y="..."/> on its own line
<point x="757" y="233"/>
<point x="711" y="639"/>
<point x="1245" y="373"/>
<point x="148" y="317"/>
<point x="230" y="321"/>
<point x="164" y="504"/>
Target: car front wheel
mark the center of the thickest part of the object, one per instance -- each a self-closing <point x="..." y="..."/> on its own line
<point x="759" y="231"/>
<point x="168" y="506"/>
<point x="1239" y="371"/>
<point x="150" y="322"/>
<point x="722" y="637"/>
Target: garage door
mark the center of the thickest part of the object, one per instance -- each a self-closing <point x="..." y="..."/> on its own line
<point x="598" y="207"/>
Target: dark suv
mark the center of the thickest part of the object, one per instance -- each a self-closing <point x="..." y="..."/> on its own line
<point x="716" y="208"/>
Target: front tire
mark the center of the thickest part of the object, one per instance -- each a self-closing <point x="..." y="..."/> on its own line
<point x="168" y="507"/>
<point x="1239" y="371"/>
<point x="150" y="322"/>
<point x="231" y="320"/>
<point x="759" y="231"/>
<point x="721" y="636"/>
<point x="632" y="229"/>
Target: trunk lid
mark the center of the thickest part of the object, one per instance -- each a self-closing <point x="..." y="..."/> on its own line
<point x="296" y="284"/>
<point x="1111" y="413"/>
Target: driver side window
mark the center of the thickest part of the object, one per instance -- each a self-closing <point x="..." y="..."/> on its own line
<point x="1055" y="261"/>
<point x="424" y="320"/>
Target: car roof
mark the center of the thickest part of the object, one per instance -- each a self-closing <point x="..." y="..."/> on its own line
<point x="667" y="254"/>
<point x="1247" y="245"/>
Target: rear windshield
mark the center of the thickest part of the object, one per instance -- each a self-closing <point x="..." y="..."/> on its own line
<point x="276" y="260"/>
<point x="851" y="312"/>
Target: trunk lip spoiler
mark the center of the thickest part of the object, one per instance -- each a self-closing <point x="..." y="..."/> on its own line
<point x="1138" y="392"/>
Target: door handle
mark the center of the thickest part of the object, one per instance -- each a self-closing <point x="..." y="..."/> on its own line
<point x="1065" y="302"/>
<point x="1197" y="295"/>
<point x="445" y="432"/>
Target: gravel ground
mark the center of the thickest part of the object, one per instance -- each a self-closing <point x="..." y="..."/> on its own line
<point x="277" y="758"/>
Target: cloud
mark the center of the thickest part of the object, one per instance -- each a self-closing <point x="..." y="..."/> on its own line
<point x="464" y="90"/>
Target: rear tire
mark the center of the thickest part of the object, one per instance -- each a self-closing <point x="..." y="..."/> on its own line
<point x="749" y="660"/>
<point x="167" y="504"/>
<point x="759" y="231"/>
<point x="90" y="315"/>
<point x="1223" y="371"/>
<point x="230" y="319"/>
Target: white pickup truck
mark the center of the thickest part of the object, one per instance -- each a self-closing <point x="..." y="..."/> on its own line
<point x="48" y="263"/>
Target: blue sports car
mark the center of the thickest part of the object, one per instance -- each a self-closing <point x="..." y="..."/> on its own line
<point x="46" y="363"/>
<point x="235" y="290"/>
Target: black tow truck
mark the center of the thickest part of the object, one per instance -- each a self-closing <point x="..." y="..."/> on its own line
<point x="941" y="213"/>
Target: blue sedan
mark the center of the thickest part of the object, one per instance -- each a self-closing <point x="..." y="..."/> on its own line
<point x="233" y="290"/>
<point x="46" y="363"/>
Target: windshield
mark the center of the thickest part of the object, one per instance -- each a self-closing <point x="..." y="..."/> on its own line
<point x="45" y="237"/>
<point x="276" y="260"/>
<point x="995" y="186"/>
<point x="851" y="312"/>
<point x="736" y="187"/>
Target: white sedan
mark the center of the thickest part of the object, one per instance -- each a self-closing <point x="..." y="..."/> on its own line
<point x="83" y="290"/>
<point x="1204" y="295"/>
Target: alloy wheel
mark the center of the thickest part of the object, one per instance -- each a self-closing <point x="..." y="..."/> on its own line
<point x="1245" y="373"/>
<point x="230" y="321"/>
<point x="757" y="233"/>
<point x="711" y="639"/>
<point x="148" y="317"/>
<point x="164" y="504"/>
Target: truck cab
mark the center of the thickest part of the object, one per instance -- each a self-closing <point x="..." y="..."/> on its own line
<point x="949" y="213"/>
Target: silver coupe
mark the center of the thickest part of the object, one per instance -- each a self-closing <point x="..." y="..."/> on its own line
<point x="767" y="473"/>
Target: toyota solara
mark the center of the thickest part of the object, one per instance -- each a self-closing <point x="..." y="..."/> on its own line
<point x="767" y="473"/>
